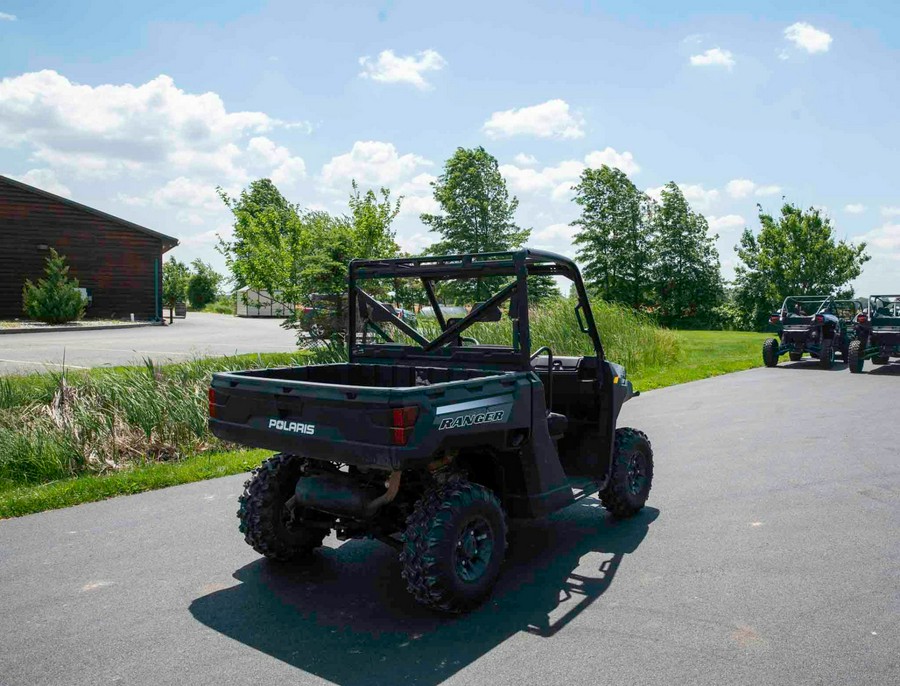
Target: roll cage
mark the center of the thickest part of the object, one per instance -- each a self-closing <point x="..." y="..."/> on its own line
<point x="884" y="306"/>
<point x="446" y="348"/>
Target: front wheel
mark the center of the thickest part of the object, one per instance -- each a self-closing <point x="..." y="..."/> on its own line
<point x="770" y="352"/>
<point x="453" y="546"/>
<point x="855" y="358"/>
<point x="631" y="474"/>
<point x="268" y="525"/>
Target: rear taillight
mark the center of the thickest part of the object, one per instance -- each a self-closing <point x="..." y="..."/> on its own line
<point x="212" y="403"/>
<point x="820" y="318"/>
<point x="774" y="319"/>
<point x="402" y="421"/>
<point x="861" y="318"/>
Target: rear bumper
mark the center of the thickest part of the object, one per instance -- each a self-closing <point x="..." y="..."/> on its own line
<point x="349" y="452"/>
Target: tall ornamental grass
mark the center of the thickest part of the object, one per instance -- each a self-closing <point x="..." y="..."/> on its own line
<point x="57" y="425"/>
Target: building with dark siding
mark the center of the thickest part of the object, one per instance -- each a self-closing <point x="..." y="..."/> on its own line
<point x="119" y="262"/>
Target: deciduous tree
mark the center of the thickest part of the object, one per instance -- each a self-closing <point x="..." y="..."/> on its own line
<point x="796" y="253"/>
<point x="686" y="282"/>
<point x="614" y="236"/>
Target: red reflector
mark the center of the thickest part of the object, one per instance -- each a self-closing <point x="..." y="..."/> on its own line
<point x="820" y="318"/>
<point x="404" y="417"/>
<point x="862" y="319"/>
<point x="403" y="420"/>
<point x="774" y="319"/>
<point x="212" y="403"/>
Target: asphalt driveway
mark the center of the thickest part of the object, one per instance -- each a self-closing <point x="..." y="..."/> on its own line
<point x="199" y="334"/>
<point x="769" y="554"/>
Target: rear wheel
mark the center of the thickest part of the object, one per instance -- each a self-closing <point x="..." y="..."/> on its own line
<point x="268" y="525"/>
<point x="770" y="352"/>
<point x="453" y="546"/>
<point x="826" y="355"/>
<point x="855" y="359"/>
<point x="631" y="474"/>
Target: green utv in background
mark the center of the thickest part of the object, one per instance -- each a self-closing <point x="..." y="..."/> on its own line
<point x="877" y="333"/>
<point x="818" y="325"/>
<point x="430" y="444"/>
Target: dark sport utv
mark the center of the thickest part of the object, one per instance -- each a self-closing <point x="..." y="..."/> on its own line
<point x="818" y="325"/>
<point x="877" y="333"/>
<point x="429" y="441"/>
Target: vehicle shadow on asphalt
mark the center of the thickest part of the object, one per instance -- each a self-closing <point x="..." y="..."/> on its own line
<point x="346" y="616"/>
<point x="814" y="365"/>
<point x="892" y="369"/>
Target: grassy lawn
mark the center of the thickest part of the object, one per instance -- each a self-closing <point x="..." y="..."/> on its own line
<point x="701" y="354"/>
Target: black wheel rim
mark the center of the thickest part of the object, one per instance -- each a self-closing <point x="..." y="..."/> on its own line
<point x="474" y="549"/>
<point x="636" y="473"/>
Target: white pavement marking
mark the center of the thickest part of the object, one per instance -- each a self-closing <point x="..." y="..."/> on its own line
<point x="42" y="364"/>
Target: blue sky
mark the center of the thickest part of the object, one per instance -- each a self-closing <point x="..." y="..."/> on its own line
<point x="142" y="109"/>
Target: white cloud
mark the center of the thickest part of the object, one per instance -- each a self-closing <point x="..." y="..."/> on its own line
<point x="5" y="16"/>
<point x="190" y="199"/>
<point x="855" y="208"/>
<point x="551" y="119"/>
<point x="714" y="57"/>
<point x="286" y="169"/>
<point x="558" y="179"/>
<point x="45" y="179"/>
<point x="890" y="211"/>
<point x="391" y="68"/>
<point x="808" y="37"/>
<point x="524" y="160"/>
<point x="728" y="222"/>
<point x="371" y="163"/>
<point x="699" y="196"/>
<point x="106" y="130"/>
<point x="418" y="195"/>
<point x="655" y="192"/>
<point x="611" y="158"/>
<point x="886" y="237"/>
<point x="741" y="188"/>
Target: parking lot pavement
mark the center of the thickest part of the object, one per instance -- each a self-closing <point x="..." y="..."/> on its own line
<point x="200" y="334"/>
<point x="768" y="555"/>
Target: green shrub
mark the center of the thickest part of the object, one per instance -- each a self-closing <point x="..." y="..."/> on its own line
<point x="55" y="299"/>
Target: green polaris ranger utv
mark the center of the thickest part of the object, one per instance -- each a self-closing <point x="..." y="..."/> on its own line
<point x="877" y="333"/>
<point x="426" y="439"/>
<point x="818" y="325"/>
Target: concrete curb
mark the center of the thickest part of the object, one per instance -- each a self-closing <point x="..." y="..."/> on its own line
<point x="101" y="327"/>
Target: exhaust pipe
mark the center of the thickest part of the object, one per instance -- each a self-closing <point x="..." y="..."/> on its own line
<point x="341" y="494"/>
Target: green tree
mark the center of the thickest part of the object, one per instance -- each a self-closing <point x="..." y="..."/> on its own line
<point x="55" y="299"/>
<point x="686" y="281"/>
<point x="295" y="254"/>
<point x="478" y="215"/>
<point x="175" y="284"/>
<point x="614" y="236"/>
<point x="203" y="284"/>
<point x="794" y="254"/>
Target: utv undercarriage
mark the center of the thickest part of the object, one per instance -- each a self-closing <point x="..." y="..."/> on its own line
<point x="428" y="441"/>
